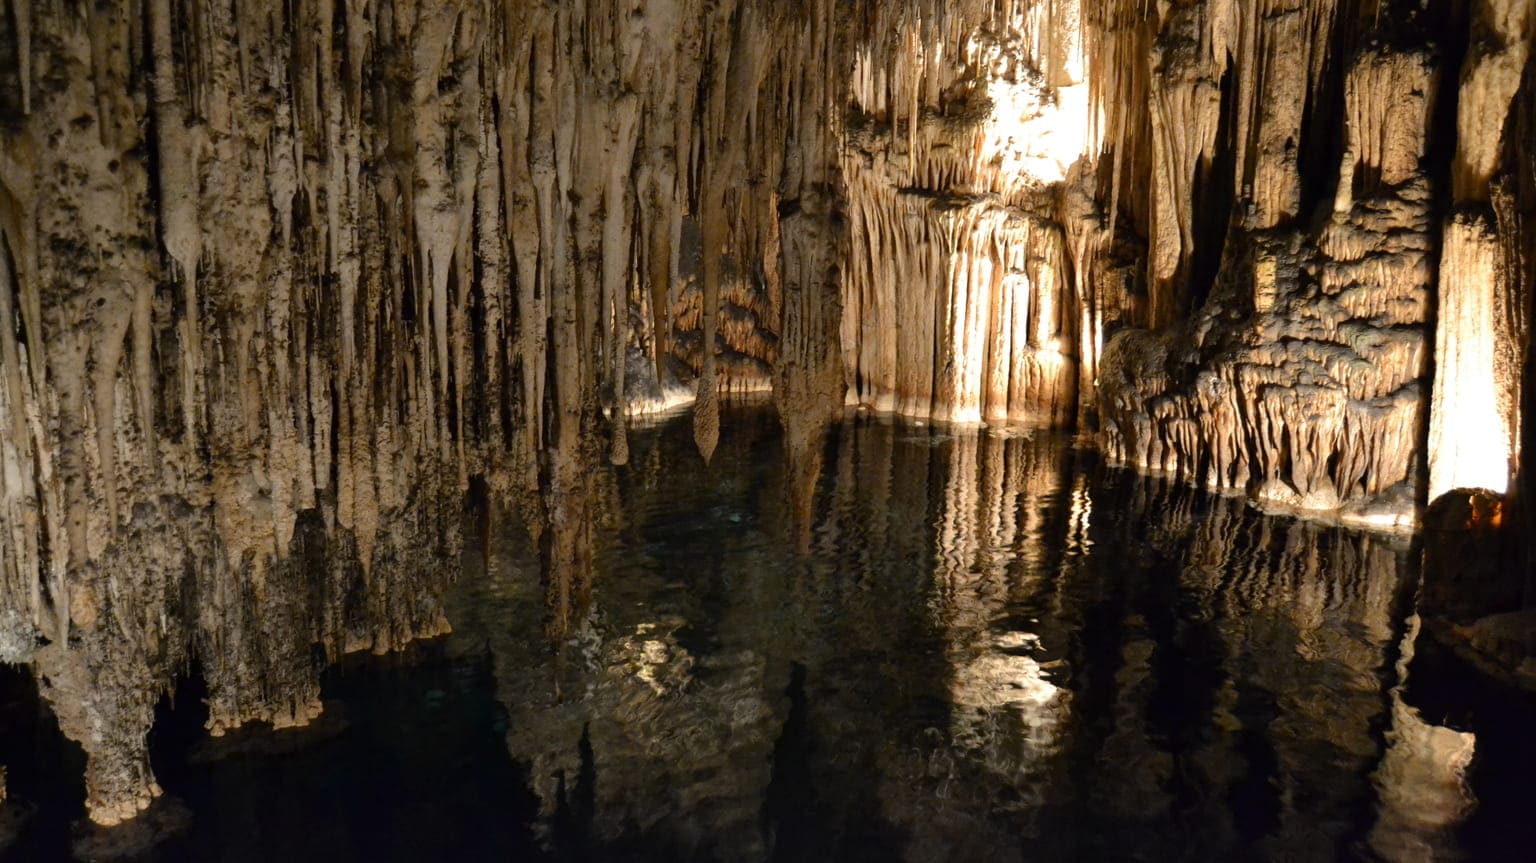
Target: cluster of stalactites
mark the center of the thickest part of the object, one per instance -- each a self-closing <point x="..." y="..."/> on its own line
<point x="1319" y="404"/>
<point x="959" y="301"/>
<point x="959" y="313"/>
<point x="381" y="248"/>
<point x="1213" y="76"/>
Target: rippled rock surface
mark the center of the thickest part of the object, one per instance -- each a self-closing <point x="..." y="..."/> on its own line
<point x="979" y="645"/>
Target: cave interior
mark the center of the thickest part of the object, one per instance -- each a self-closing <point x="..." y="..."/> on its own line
<point x="284" y="284"/>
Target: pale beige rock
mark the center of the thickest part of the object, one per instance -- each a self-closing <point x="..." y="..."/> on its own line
<point x="957" y="297"/>
<point x="1470" y="442"/>
<point x="1500" y="47"/>
<point x="1480" y="333"/>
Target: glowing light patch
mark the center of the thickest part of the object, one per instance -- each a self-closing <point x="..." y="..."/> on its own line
<point x="1032" y="134"/>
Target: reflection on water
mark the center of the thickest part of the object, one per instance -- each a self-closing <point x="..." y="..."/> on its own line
<point x="952" y="646"/>
<point x="985" y="648"/>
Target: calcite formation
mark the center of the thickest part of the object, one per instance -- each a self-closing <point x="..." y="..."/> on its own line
<point x="958" y="298"/>
<point x="1483" y="332"/>
<point x="278" y="279"/>
<point x="1331" y="336"/>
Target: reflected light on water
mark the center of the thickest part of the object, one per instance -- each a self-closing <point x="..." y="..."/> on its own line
<point x="1001" y="683"/>
<point x="894" y="642"/>
<point x="1422" y="778"/>
<point x="1005" y="711"/>
<point x="963" y="645"/>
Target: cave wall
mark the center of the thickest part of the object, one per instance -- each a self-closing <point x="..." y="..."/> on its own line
<point x="278" y="279"/>
<point x="1353" y="344"/>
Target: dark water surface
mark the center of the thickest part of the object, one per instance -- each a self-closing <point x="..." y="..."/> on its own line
<point x="980" y="646"/>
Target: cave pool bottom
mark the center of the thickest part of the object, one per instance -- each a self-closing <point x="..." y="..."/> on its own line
<point x="967" y="645"/>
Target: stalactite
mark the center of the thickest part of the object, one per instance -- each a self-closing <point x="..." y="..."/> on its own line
<point x="1469" y="439"/>
<point x="1184" y="111"/>
<point x="177" y="159"/>
<point x="1499" y="51"/>
<point x="375" y="296"/>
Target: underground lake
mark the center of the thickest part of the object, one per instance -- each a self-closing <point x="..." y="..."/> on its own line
<point x="952" y="644"/>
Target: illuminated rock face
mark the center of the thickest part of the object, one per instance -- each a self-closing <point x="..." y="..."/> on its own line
<point x="276" y="279"/>
<point x="1022" y="188"/>
<point x="1305" y="378"/>
<point x="1299" y="379"/>
<point x="1483" y="334"/>
<point x="958" y="302"/>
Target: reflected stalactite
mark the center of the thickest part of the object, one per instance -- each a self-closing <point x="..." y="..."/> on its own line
<point x="577" y="505"/>
<point x="1301" y="617"/>
<point x="667" y="734"/>
<point x="983" y="615"/>
<point x="1422" y="778"/>
<point x="996" y="523"/>
<point x="804" y="457"/>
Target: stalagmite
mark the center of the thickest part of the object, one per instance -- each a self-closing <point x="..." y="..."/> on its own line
<point x="1299" y="380"/>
